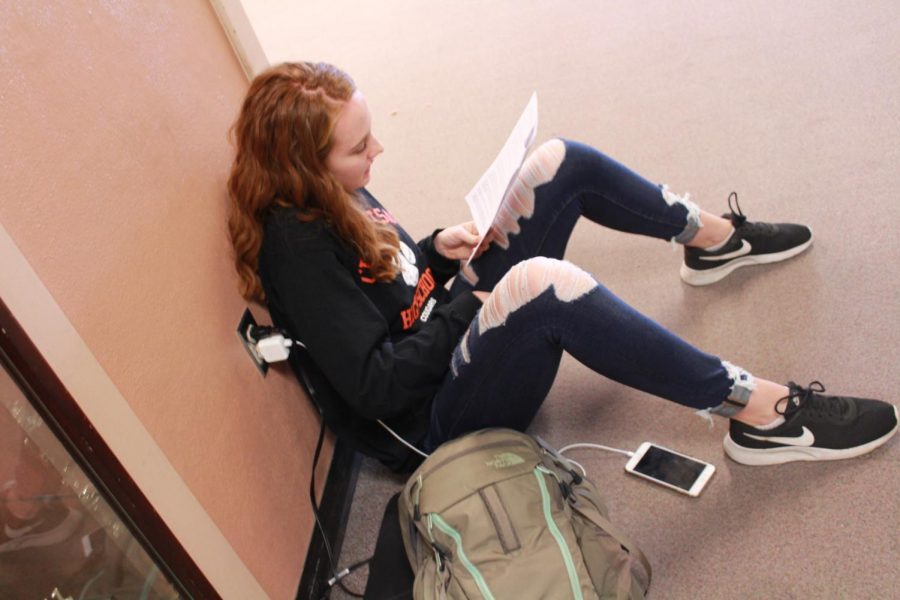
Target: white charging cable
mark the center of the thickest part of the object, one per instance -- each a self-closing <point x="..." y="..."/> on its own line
<point x="402" y="441"/>
<point x="565" y="449"/>
<point x="275" y="347"/>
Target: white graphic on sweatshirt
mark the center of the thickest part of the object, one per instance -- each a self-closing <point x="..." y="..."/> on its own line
<point x="406" y="260"/>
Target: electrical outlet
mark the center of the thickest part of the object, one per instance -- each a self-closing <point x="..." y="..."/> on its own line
<point x="248" y="321"/>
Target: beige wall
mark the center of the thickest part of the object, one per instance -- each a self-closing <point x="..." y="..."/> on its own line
<point x="113" y="119"/>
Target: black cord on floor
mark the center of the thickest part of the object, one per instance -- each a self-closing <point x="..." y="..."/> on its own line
<point x="349" y="570"/>
<point x="336" y="577"/>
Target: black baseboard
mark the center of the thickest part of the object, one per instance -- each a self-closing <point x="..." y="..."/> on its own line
<point x="334" y="510"/>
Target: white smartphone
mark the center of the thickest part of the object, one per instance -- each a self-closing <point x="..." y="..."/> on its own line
<point x="671" y="469"/>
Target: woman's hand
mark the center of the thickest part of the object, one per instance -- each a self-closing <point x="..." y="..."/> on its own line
<point x="458" y="242"/>
<point x="483" y="296"/>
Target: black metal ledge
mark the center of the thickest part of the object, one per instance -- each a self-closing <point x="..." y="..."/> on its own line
<point x="334" y="510"/>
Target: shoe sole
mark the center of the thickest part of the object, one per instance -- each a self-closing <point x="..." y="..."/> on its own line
<point x="784" y="454"/>
<point x="708" y="276"/>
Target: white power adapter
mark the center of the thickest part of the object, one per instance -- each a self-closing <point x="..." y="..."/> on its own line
<point x="274" y="348"/>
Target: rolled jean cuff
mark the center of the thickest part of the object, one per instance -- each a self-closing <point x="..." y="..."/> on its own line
<point x="742" y="385"/>
<point x="693" y="223"/>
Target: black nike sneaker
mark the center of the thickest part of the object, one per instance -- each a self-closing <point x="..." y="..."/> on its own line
<point x="751" y="244"/>
<point x="816" y="427"/>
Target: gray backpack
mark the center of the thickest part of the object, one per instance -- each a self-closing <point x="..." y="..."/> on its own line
<point x="497" y="514"/>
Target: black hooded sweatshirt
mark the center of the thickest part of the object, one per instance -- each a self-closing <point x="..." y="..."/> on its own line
<point x="374" y="350"/>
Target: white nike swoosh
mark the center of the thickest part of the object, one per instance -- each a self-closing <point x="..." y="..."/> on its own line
<point x="744" y="249"/>
<point x="807" y="439"/>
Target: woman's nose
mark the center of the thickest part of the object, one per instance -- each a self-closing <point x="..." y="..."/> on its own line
<point x="377" y="148"/>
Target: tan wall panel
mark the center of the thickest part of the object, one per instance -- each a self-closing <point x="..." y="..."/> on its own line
<point x="113" y="120"/>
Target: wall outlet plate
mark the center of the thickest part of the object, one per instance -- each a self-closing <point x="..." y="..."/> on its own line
<point x="247" y="321"/>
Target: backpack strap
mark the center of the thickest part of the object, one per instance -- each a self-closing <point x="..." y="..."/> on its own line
<point x="606" y="525"/>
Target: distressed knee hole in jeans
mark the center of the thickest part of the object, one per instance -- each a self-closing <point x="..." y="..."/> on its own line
<point x="539" y="168"/>
<point x="524" y="282"/>
<point x="693" y="214"/>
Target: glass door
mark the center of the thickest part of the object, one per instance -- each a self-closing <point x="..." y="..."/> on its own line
<point x="59" y="537"/>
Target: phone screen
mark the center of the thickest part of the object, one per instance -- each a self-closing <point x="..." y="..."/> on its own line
<point x="675" y="470"/>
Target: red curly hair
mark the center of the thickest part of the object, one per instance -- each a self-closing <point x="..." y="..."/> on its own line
<point x="282" y="137"/>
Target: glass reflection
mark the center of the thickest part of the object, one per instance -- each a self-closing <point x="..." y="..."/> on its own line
<point x="59" y="539"/>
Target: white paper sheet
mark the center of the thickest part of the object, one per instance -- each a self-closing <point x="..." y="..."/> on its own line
<point x="486" y="197"/>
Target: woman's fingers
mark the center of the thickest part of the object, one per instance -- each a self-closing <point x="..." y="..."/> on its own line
<point x="461" y="240"/>
<point x="463" y="236"/>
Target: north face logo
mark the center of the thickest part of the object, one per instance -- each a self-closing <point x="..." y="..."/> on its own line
<point x="505" y="459"/>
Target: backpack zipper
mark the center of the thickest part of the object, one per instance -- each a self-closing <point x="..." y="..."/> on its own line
<point x="557" y="534"/>
<point x="434" y="518"/>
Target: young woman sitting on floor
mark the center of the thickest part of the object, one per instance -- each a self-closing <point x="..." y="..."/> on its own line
<point x="395" y="345"/>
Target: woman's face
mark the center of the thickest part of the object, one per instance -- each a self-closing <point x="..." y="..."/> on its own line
<point x="354" y="148"/>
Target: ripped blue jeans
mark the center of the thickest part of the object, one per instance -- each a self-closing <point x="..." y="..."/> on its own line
<point x="540" y="305"/>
